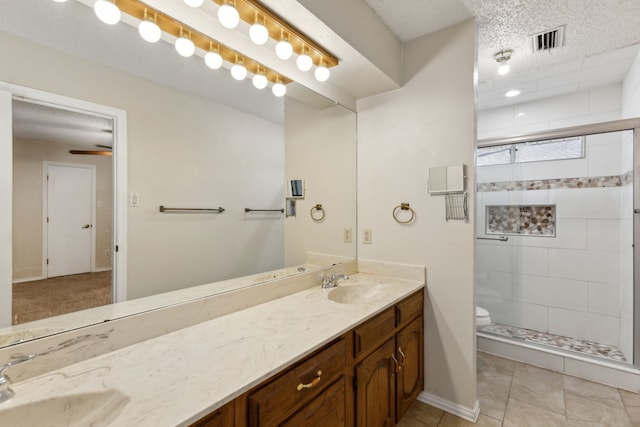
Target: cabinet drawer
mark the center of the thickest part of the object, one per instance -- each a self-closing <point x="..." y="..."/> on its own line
<point x="327" y="409"/>
<point x="368" y="335"/>
<point x="409" y="309"/>
<point x="271" y="403"/>
<point x="223" y="417"/>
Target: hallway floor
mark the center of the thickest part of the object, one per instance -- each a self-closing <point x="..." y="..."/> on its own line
<point x="516" y="394"/>
<point x="39" y="299"/>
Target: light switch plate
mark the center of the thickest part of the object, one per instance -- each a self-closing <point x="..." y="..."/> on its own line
<point x="134" y="200"/>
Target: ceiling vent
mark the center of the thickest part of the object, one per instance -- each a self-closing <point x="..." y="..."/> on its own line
<point x="547" y="40"/>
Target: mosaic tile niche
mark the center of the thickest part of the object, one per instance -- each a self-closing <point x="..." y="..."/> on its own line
<point x="534" y="220"/>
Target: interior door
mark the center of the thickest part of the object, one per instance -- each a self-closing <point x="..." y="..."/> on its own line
<point x="69" y="220"/>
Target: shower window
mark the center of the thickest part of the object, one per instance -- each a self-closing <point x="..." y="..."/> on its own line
<point x="537" y="151"/>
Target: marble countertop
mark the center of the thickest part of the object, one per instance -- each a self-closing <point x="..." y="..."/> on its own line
<point x="175" y="379"/>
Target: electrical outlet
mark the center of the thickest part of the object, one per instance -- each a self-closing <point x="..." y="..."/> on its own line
<point x="366" y="236"/>
<point x="347" y="235"/>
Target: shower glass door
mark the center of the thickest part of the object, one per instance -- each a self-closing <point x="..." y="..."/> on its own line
<point x="555" y="240"/>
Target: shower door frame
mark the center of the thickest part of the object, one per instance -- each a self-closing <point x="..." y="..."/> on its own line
<point x="594" y="129"/>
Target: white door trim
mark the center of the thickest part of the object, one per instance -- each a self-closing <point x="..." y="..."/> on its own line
<point x="6" y="199"/>
<point x="119" y="171"/>
<point x="45" y="210"/>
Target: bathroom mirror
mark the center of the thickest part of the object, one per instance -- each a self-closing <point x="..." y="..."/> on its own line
<point x="176" y="160"/>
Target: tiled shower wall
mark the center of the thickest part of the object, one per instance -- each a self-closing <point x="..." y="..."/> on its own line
<point x="576" y="283"/>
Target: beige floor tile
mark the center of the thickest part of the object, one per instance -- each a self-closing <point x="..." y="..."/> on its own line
<point x="424" y="413"/>
<point x="586" y="388"/>
<point x="521" y="414"/>
<point x="491" y="363"/>
<point x="599" y="410"/>
<point x="538" y="387"/>
<point x="493" y="392"/>
<point x="483" y="421"/>
<point x="630" y="399"/>
<point x="409" y="421"/>
<point x="634" y="415"/>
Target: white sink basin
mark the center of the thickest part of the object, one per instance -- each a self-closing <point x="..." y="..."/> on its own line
<point x="90" y="409"/>
<point x="355" y="294"/>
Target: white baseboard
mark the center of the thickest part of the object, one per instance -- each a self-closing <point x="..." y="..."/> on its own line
<point x="469" y="414"/>
<point x="98" y="270"/>
<point x="28" y="279"/>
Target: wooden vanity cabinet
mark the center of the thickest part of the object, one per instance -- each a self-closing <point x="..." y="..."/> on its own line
<point x="367" y="378"/>
<point x="389" y="378"/>
<point x="223" y="417"/>
<point x="375" y="388"/>
<point x="410" y="356"/>
<point x="307" y="391"/>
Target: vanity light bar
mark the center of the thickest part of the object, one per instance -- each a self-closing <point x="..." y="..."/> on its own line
<point x="276" y="25"/>
<point x="169" y="25"/>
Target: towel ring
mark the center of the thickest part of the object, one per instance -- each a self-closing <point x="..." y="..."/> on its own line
<point x="404" y="207"/>
<point x="317" y="208"/>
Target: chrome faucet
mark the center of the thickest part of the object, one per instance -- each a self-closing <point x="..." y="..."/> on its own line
<point x="331" y="281"/>
<point x="5" y="382"/>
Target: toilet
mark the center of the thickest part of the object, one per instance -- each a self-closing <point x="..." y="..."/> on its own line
<point x="482" y="318"/>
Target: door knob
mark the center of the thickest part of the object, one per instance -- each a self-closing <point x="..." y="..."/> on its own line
<point x="86" y="226"/>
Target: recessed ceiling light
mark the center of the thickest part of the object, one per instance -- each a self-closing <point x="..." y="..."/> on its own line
<point x="512" y="93"/>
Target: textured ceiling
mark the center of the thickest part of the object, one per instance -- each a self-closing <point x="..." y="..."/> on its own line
<point x="594" y="32"/>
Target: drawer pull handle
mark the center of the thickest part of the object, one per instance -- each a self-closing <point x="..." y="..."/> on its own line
<point x="401" y="354"/>
<point x="312" y="384"/>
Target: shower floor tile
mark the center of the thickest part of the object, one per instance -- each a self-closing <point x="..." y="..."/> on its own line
<point x="557" y="341"/>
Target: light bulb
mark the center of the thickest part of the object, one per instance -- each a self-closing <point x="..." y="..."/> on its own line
<point x="304" y="62"/>
<point x="149" y="31"/>
<point x="107" y="12"/>
<point x="59" y="1"/>
<point x="321" y="73"/>
<point x="258" y="34"/>
<point x="260" y="81"/>
<point x="185" y="47"/>
<point x="512" y="93"/>
<point x="194" y="3"/>
<point x="213" y="60"/>
<point x="238" y="72"/>
<point x="279" y="90"/>
<point x="228" y="16"/>
<point x="284" y="49"/>
<point x="503" y="69"/>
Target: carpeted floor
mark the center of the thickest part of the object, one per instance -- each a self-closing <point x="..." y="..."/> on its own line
<point x="59" y="295"/>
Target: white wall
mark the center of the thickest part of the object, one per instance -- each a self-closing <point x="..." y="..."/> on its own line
<point x="427" y="123"/>
<point x="183" y="151"/>
<point x="320" y="148"/>
<point x="578" y="283"/>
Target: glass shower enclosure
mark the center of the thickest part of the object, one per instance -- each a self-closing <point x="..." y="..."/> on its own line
<point x="555" y="233"/>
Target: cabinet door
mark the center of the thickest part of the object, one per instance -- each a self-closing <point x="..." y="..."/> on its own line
<point x="375" y="388"/>
<point x="410" y="376"/>
<point x="326" y="410"/>
<point x="223" y="417"/>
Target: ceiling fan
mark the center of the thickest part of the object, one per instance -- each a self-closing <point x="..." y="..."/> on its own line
<point x="107" y="152"/>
